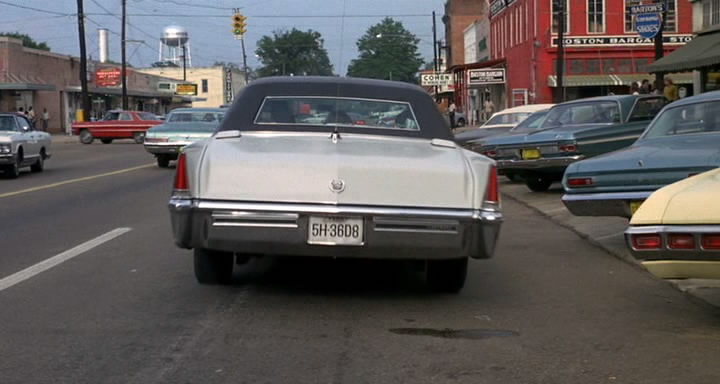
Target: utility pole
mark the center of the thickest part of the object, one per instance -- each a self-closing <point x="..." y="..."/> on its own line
<point x="245" y="67"/>
<point x="435" y="55"/>
<point x="659" y="49"/>
<point x="123" y="74"/>
<point x="184" y="62"/>
<point x="560" y="64"/>
<point x="84" y="97"/>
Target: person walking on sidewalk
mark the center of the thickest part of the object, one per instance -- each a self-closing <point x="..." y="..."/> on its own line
<point x="488" y="109"/>
<point x="45" y="118"/>
<point x="31" y="116"/>
<point x="451" y="114"/>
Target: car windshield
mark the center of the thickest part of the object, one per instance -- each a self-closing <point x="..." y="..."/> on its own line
<point x="688" y="119"/>
<point x="596" y="112"/>
<point x="7" y="123"/>
<point x="111" y="116"/>
<point x="195" y="116"/>
<point x="532" y="123"/>
<point x="332" y="111"/>
<point x="508" y="118"/>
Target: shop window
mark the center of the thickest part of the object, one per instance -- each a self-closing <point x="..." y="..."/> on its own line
<point x="556" y="4"/>
<point x="608" y="66"/>
<point x="670" y="17"/>
<point x="592" y="66"/>
<point x="576" y="67"/>
<point x="641" y="65"/>
<point x="624" y="66"/>
<point x="596" y="16"/>
<point x="711" y="13"/>
<point x="204" y="85"/>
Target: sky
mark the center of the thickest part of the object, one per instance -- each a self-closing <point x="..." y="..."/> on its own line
<point x="209" y="25"/>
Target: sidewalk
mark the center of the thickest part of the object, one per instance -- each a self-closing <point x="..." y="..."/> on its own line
<point x="604" y="232"/>
<point x="59" y="138"/>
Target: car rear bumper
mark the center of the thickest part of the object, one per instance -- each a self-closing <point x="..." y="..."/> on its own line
<point x="603" y="204"/>
<point x="282" y="229"/>
<point x="168" y="149"/>
<point x="552" y="162"/>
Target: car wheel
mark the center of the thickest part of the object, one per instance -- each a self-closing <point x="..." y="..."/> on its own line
<point x="86" y="137"/>
<point x="538" y="183"/>
<point x="461" y="122"/>
<point x="139" y="137"/>
<point x="513" y="177"/>
<point x="106" y="141"/>
<point x="213" y="267"/>
<point x="163" y="161"/>
<point x="39" y="165"/>
<point x="447" y="276"/>
<point x="12" y="171"/>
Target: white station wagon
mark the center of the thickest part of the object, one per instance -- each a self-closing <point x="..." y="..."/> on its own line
<point x="21" y="145"/>
<point x="312" y="166"/>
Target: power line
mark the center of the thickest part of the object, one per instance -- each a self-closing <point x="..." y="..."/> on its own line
<point x="119" y="18"/>
<point x="265" y="16"/>
<point x="37" y="9"/>
<point x="184" y="4"/>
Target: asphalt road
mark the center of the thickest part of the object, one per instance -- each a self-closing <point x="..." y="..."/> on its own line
<point x="550" y="308"/>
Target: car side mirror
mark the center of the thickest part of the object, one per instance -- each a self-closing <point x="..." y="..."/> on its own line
<point x="26" y="128"/>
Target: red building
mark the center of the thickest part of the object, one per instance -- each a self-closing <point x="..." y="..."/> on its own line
<point x="603" y="53"/>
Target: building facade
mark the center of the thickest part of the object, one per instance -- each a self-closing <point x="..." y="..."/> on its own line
<point x="215" y="85"/>
<point x="459" y="14"/>
<point x="47" y="80"/>
<point x="603" y="52"/>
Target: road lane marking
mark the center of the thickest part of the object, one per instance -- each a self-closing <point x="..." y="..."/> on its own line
<point x="60" y="258"/>
<point x="71" y="181"/>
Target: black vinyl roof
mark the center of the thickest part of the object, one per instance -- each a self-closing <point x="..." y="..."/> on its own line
<point x="242" y="113"/>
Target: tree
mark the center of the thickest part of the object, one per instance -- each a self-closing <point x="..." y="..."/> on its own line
<point x="226" y="64"/>
<point x="27" y="41"/>
<point x="293" y="52"/>
<point x="387" y="51"/>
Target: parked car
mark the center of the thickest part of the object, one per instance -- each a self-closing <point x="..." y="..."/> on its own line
<point x="116" y="124"/>
<point x="501" y="122"/>
<point x="21" y="145"/>
<point x="573" y="131"/>
<point x="182" y="127"/>
<point x="530" y="124"/>
<point x="266" y="184"/>
<point x="676" y="231"/>
<point x="682" y="141"/>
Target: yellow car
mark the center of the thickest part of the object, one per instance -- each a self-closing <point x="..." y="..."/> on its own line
<point x="676" y="231"/>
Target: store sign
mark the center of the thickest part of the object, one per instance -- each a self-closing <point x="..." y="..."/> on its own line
<point x="486" y="76"/>
<point x="436" y="79"/>
<point x="186" y="89"/>
<point x="108" y="77"/>
<point x="228" y="86"/>
<point x="498" y="6"/>
<point x="648" y="19"/>
<point x="165" y="86"/>
<point x="600" y="41"/>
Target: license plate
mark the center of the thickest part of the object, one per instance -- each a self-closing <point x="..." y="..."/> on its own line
<point x="335" y="230"/>
<point x="634" y="206"/>
<point x="530" y="154"/>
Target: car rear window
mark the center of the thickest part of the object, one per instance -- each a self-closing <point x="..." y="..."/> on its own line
<point x="596" y="112"/>
<point x="508" y="118"/>
<point x="148" y="116"/>
<point x="332" y="111"/>
<point x="195" y="116"/>
<point x="687" y="119"/>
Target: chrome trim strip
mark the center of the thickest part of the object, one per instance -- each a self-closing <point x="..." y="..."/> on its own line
<point x="573" y="197"/>
<point x="415" y="230"/>
<point x="393" y="224"/>
<point x="538" y="163"/>
<point x="255" y="216"/>
<point x="254" y="225"/>
<point x="598" y="141"/>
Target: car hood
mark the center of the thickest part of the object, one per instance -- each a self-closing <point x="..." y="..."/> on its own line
<point x="6" y="136"/>
<point x="299" y="168"/>
<point x="481" y="133"/>
<point x="691" y="201"/>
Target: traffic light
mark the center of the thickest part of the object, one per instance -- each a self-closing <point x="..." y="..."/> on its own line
<point x="239" y="24"/>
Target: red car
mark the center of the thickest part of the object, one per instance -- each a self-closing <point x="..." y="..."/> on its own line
<point x="116" y="124"/>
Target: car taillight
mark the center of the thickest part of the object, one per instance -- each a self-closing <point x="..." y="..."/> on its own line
<point x="711" y="241"/>
<point x="156" y="139"/>
<point x="489" y="153"/>
<point x="181" y="179"/>
<point x="681" y="241"/>
<point x="568" y="148"/>
<point x="492" y="195"/>
<point x="646" y="241"/>
<point x="580" y="182"/>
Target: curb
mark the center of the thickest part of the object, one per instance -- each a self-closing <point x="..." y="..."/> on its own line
<point x="679" y="285"/>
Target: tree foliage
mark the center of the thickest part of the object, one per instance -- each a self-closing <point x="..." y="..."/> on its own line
<point x="387" y="51"/>
<point x="293" y="52"/>
<point x="226" y="64"/>
<point x="27" y="41"/>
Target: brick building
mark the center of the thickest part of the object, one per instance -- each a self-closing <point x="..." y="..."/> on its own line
<point x="603" y="53"/>
<point x="459" y="14"/>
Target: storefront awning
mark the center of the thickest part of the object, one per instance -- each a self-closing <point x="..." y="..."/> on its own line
<point x="26" y="87"/>
<point x="614" y="80"/>
<point x="118" y="92"/>
<point x="702" y="51"/>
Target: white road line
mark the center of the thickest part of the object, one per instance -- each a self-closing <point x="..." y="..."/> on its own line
<point x="60" y="258"/>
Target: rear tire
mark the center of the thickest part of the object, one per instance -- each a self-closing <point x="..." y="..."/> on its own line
<point x="86" y="137"/>
<point x="12" y="171"/>
<point x="163" y="161"/>
<point x="139" y="137"/>
<point x="537" y="183"/>
<point x="213" y="267"/>
<point x="106" y="141"/>
<point x="39" y="165"/>
<point x="446" y="276"/>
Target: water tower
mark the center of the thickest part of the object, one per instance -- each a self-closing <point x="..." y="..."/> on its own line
<point x="174" y="39"/>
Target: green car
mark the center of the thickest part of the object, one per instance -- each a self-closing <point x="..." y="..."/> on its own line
<point x="682" y="141"/>
<point x="571" y="132"/>
<point x="183" y="126"/>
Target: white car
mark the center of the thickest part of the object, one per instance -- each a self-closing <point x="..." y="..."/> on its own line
<point x="269" y="184"/>
<point x="501" y="122"/>
<point x="21" y="145"/>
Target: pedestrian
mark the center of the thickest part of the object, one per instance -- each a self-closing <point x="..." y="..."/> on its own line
<point x="488" y="108"/>
<point x="31" y="116"/>
<point x="45" y="118"/>
<point x="635" y="88"/>
<point x="21" y="111"/>
<point x="670" y="90"/>
<point x="451" y="114"/>
<point x="645" y="87"/>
